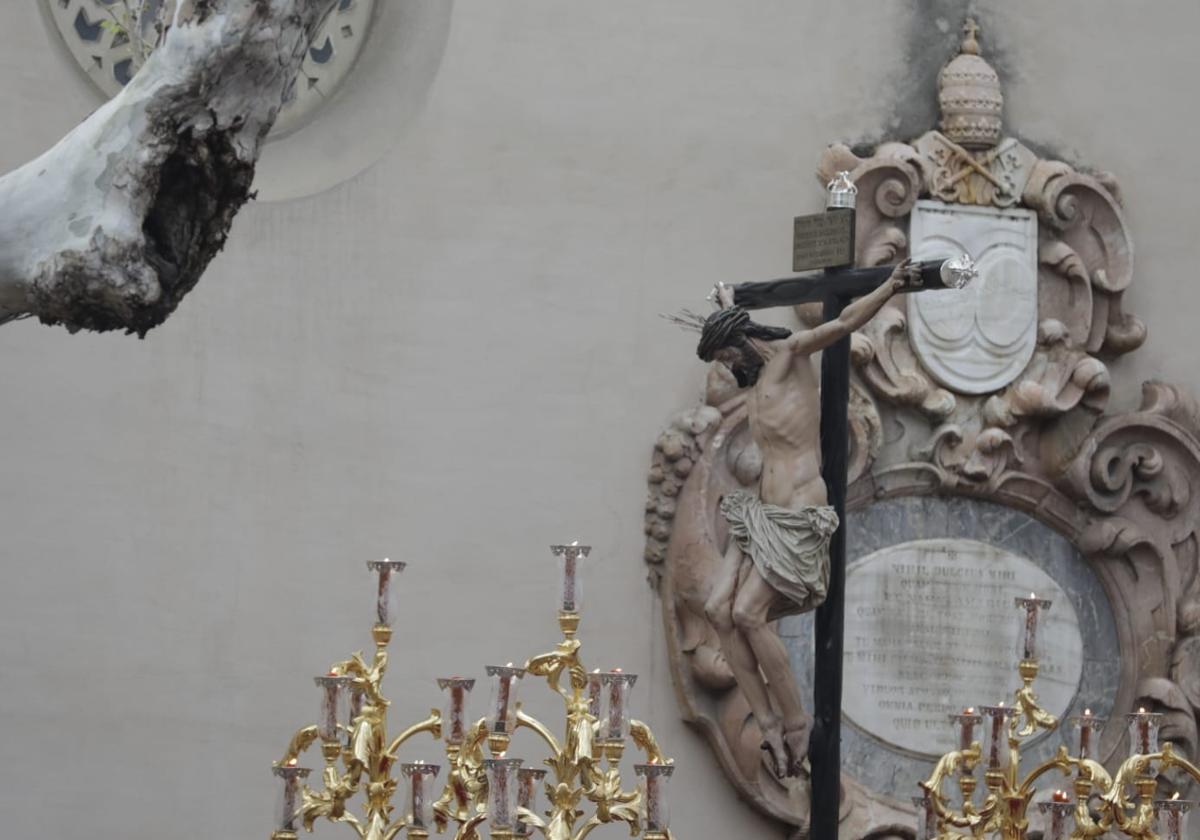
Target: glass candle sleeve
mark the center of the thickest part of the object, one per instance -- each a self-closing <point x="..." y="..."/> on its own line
<point x="595" y="693"/>
<point x="967" y="721"/>
<point x="454" y="714"/>
<point x="616" y="688"/>
<point x="502" y="710"/>
<point x="996" y="720"/>
<point x="569" y="578"/>
<point x="502" y="791"/>
<point x="528" y="781"/>
<point x="354" y="708"/>
<point x="1087" y="727"/>
<point x="1143" y="732"/>
<point x="387" y="605"/>
<point x="1058" y="814"/>
<point x="417" y="776"/>
<point x="335" y="689"/>
<point x="290" y="799"/>
<point x="1171" y="816"/>
<point x="653" y="782"/>
<point x="1033" y="607"/>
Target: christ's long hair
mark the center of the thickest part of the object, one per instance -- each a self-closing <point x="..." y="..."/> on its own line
<point x="733" y="328"/>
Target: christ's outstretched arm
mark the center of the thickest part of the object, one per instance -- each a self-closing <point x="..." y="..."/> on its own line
<point x="856" y="314"/>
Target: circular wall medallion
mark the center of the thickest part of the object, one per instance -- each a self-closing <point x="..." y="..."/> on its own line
<point x="931" y="628"/>
<point x="109" y="57"/>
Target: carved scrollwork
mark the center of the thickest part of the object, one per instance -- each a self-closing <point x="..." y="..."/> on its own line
<point x="1058" y="379"/>
<point x="885" y="360"/>
<point x="866" y="432"/>
<point x="1145" y="465"/>
<point x="884" y="246"/>
<point x="1087" y="217"/>
<point x="994" y="453"/>
<point x="1060" y="259"/>
<point x="1120" y="471"/>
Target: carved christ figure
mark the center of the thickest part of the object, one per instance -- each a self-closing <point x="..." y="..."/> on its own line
<point x="777" y="559"/>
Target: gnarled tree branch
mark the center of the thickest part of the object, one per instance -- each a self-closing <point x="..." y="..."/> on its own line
<point x="111" y="227"/>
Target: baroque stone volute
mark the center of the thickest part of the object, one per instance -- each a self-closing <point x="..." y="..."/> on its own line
<point x="970" y="97"/>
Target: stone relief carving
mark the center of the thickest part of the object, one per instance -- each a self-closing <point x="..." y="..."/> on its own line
<point x="1124" y="488"/>
<point x="106" y="55"/>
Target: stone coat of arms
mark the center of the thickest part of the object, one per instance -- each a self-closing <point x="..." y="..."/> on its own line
<point x="999" y="398"/>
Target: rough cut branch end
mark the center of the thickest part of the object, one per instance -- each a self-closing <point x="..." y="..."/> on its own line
<point x="117" y="222"/>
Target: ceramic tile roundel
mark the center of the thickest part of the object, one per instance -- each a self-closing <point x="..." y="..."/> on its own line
<point x="108" y="57"/>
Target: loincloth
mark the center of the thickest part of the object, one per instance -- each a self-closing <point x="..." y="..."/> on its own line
<point x="789" y="548"/>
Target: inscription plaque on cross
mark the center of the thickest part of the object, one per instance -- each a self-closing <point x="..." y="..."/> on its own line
<point x="826" y="241"/>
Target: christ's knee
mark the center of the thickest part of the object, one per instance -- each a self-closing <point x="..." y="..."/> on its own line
<point x="719" y="613"/>
<point x="748" y="619"/>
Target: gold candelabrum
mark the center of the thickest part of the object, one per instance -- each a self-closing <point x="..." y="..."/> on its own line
<point x="1100" y="803"/>
<point x="361" y="758"/>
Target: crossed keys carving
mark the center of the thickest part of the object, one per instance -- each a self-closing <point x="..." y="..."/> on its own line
<point x="980" y="165"/>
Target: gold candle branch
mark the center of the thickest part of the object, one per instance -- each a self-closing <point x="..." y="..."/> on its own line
<point x="1102" y="803"/>
<point x="362" y="758"/>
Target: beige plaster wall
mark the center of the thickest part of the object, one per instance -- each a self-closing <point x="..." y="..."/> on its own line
<point x="455" y="359"/>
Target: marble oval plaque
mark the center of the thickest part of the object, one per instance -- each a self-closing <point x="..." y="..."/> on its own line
<point x="931" y="629"/>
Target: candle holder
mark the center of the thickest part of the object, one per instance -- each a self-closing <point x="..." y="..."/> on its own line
<point x="1058" y="812"/>
<point x="335" y="697"/>
<point x="654" y="796"/>
<point x="1087" y="725"/>
<point x="570" y="587"/>
<point x="1171" y="816"/>
<point x="454" y="728"/>
<point x="595" y="693"/>
<point x="363" y="759"/>
<point x="416" y="806"/>
<point x="1119" y="804"/>
<point x="387" y="603"/>
<point x="502" y="795"/>
<point x="528" y="779"/>
<point x="1032" y="605"/>
<point x="287" y="812"/>
<point x="615" y="688"/>
<point x="1143" y="731"/>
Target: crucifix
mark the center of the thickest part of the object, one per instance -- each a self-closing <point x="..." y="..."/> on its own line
<point x="786" y="551"/>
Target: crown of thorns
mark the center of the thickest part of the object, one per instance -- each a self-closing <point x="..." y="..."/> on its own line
<point x="715" y="331"/>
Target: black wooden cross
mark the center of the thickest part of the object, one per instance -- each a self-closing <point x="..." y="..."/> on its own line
<point x="820" y="237"/>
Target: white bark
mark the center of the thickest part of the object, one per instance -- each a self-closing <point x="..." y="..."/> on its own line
<point x="111" y="227"/>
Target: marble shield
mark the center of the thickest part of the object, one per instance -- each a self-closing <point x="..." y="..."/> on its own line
<point x="976" y="341"/>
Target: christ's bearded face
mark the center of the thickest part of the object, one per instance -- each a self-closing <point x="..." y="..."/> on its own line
<point x="743" y="362"/>
<point x="728" y="337"/>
